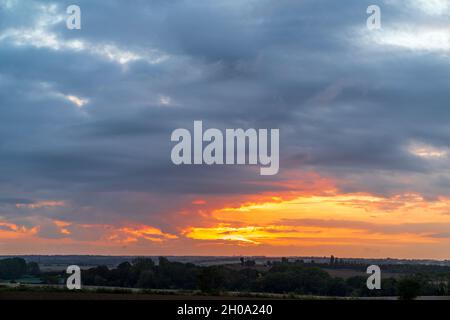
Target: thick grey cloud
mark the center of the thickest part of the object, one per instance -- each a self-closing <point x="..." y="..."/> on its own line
<point x="346" y="107"/>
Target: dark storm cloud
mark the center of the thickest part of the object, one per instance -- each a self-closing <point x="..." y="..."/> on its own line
<point x="344" y="108"/>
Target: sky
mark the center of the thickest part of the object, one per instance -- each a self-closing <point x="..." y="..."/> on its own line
<point x="86" y="118"/>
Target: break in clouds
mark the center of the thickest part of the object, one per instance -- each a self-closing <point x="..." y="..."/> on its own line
<point x="86" y="115"/>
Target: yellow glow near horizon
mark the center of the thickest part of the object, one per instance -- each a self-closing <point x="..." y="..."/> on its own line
<point x="331" y="220"/>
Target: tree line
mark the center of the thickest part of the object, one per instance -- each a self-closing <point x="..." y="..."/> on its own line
<point x="284" y="277"/>
<point x="280" y="277"/>
<point x="14" y="268"/>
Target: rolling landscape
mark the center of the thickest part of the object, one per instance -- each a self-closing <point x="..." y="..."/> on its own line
<point x="209" y="277"/>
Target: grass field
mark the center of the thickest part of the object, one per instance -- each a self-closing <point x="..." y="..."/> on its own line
<point x="45" y="292"/>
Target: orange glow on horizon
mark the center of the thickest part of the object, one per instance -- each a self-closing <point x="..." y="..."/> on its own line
<point x="330" y="220"/>
<point x="303" y="217"/>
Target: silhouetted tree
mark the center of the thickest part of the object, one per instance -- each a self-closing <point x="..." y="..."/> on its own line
<point x="211" y="279"/>
<point x="12" y="268"/>
<point x="332" y="260"/>
<point x="33" y="269"/>
<point x="408" y="288"/>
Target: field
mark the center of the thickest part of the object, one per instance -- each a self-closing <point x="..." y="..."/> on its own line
<point x="348" y="273"/>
